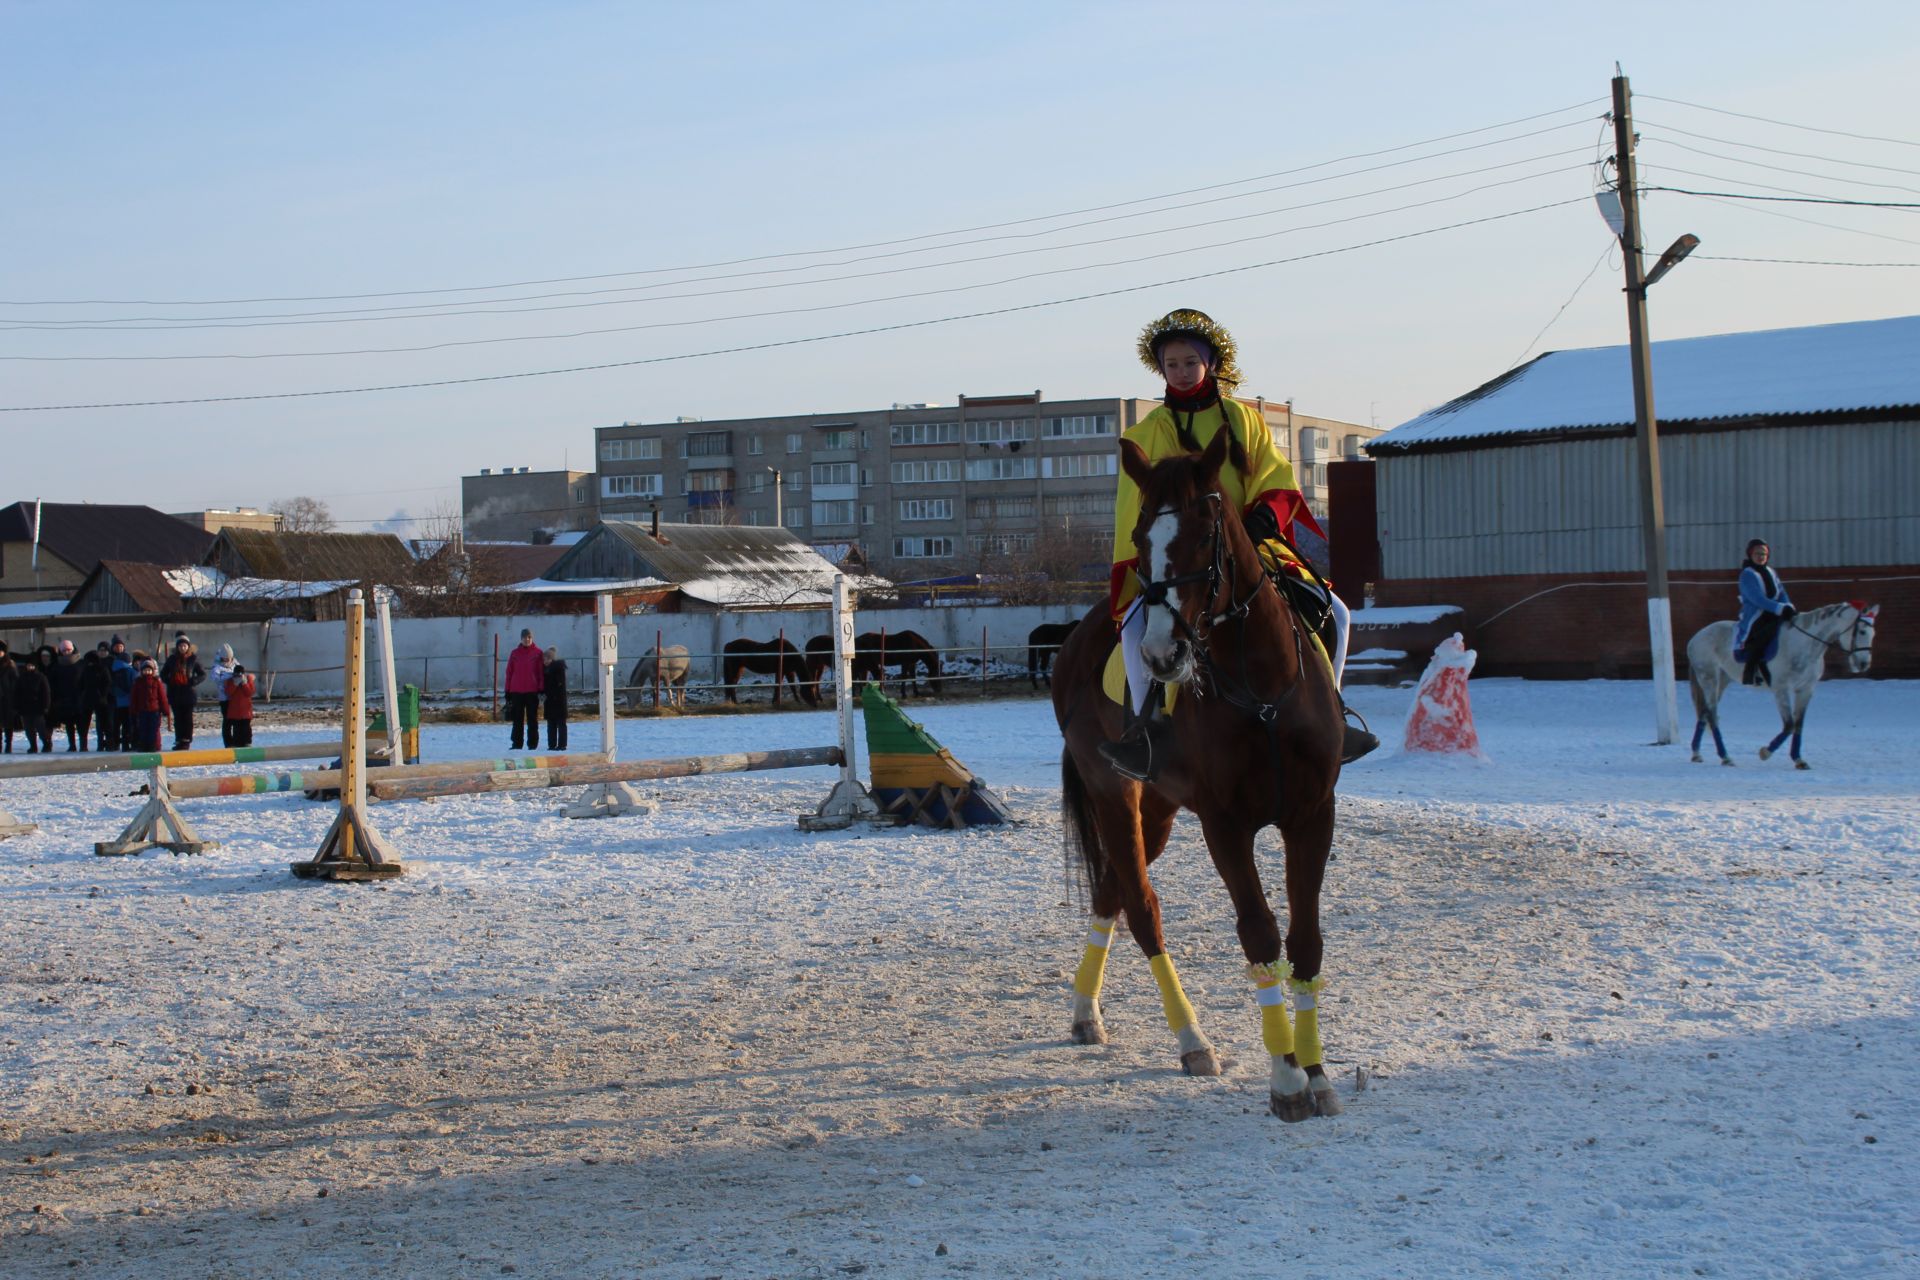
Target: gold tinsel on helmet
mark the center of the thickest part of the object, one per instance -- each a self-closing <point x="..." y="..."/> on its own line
<point x="1185" y="322"/>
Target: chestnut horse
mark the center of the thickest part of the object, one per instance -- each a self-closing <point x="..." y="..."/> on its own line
<point x="1255" y="740"/>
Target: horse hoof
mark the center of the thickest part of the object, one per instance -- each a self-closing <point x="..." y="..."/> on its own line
<point x="1766" y="753"/>
<point x="1727" y="761"/>
<point x="1325" y="1102"/>
<point x="1200" y="1062"/>
<point x="1801" y="764"/>
<point x="1089" y="1033"/>
<point x="1293" y="1108"/>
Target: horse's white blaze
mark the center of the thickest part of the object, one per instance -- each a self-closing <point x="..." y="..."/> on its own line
<point x="1158" y="642"/>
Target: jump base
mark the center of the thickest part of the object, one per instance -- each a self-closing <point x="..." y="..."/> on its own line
<point x="612" y="800"/>
<point x="350" y="851"/>
<point x="158" y="825"/>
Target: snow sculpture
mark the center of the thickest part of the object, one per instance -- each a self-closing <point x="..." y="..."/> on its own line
<point x="1442" y="718"/>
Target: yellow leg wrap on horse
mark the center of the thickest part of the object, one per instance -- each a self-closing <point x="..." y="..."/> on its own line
<point x="1093" y="961"/>
<point x="1270" y="989"/>
<point x="1172" y="998"/>
<point x="1306" y="1022"/>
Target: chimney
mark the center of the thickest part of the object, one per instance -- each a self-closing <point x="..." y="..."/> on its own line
<point x="656" y="522"/>
<point x="486" y="471"/>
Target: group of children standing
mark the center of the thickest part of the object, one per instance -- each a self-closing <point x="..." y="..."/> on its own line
<point x="534" y="677"/>
<point x="124" y="697"/>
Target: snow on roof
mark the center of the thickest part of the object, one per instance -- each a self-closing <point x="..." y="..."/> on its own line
<point x="203" y="582"/>
<point x="31" y="608"/>
<point x="579" y="586"/>
<point x="1859" y="365"/>
<point x="1399" y="615"/>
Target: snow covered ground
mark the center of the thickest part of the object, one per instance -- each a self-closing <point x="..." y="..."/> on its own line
<point x="1620" y="1014"/>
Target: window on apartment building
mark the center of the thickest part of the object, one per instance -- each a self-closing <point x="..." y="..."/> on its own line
<point x="1080" y="504"/>
<point x="1073" y="466"/>
<point x="1013" y="507"/>
<point x="714" y="481"/>
<point x="926" y="508"/>
<point x="839" y="438"/>
<point x="795" y="480"/>
<point x="1313" y="444"/>
<point x="756" y="446"/>
<point x="796" y="441"/>
<point x="934" y="472"/>
<point x="756" y="482"/>
<point x="1355" y="450"/>
<point x="647" y="486"/>
<point x="1001" y="468"/>
<point x="796" y="517"/>
<point x="833" y="512"/>
<point x="833" y="473"/>
<point x="866" y="438"/>
<point x="999" y="430"/>
<point x="1085" y="424"/>
<point x="756" y="518"/>
<point x="1000" y="544"/>
<point x="911" y="433"/>
<point x="630" y="450"/>
<point x="923" y="548"/>
<point x="866" y="513"/>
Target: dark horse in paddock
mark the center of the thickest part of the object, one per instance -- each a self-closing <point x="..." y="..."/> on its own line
<point x="777" y="658"/>
<point x="1043" y="645"/>
<point x="907" y="650"/>
<point x="1255" y="740"/>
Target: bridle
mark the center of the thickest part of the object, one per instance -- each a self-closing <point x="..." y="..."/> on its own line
<point x="1221" y="569"/>
<point x="1852" y="645"/>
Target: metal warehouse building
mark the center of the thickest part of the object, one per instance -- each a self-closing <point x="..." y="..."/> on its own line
<point x="1519" y="501"/>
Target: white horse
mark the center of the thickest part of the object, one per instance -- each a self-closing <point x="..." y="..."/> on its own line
<point x="670" y="666"/>
<point x="1796" y="668"/>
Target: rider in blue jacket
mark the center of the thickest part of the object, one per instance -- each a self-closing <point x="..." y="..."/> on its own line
<point x="1763" y="607"/>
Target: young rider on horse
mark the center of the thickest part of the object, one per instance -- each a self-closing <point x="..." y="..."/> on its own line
<point x="1763" y="607"/>
<point x="1197" y="358"/>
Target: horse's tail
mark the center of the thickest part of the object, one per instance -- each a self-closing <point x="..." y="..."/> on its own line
<point x="1086" y="857"/>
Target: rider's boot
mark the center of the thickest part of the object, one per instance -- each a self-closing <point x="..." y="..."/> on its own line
<point x="1357" y="740"/>
<point x="1140" y="748"/>
<point x="1756" y="673"/>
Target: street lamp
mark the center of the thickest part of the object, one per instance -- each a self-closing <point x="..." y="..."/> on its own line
<point x="1653" y="518"/>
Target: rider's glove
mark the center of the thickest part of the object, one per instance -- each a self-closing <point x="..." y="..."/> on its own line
<point x="1788" y="613"/>
<point x="1261" y="524"/>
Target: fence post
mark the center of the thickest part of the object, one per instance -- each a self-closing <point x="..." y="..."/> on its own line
<point x="496" y="675"/>
<point x="983" y="660"/>
<point x="849" y="799"/>
<point x="779" y="663"/>
<point x="659" y="641"/>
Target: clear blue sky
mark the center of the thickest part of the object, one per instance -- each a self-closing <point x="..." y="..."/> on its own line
<point x="191" y="152"/>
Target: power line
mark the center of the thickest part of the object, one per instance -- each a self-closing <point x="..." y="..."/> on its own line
<point x="877" y="244"/>
<point x="1787" y="124"/>
<point x="1778" y="151"/>
<point x="1781" y="168"/>
<point x="793" y="342"/>
<point x="816" y="307"/>
<point x="1563" y="306"/>
<point x="1741" y="195"/>
<point x="168" y="324"/>
<point x="1797" y="262"/>
<point x="1812" y="222"/>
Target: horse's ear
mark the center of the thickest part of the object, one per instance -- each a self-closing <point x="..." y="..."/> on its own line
<point x="1216" y="455"/>
<point x="1133" y="461"/>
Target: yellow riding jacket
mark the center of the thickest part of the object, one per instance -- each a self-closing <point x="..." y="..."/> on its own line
<point x="1268" y="480"/>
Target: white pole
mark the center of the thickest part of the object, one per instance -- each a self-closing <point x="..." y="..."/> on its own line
<point x="843" y="672"/>
<point x="608" y="659"/>
<point x="383" y="599"/>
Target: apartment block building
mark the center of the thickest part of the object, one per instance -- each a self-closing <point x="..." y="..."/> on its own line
<point x="915" y="490"/>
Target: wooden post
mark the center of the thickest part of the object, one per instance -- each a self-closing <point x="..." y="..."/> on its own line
<point x="983" y="661"/>
<point x="496" y="676"/>
<point x="383" y="600"/>
<point x="351" y="849"/>
<point x="882" y="669"/>
<point x="659" y="642"/>
<point x="158" y="825"/>
<point x="849" y="799"/>
<point x="779" y="663"/>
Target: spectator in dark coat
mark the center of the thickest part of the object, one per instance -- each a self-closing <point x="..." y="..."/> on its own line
<point x="556" y="677"/>
<point x="123" y="671"/>
<point x="33" y="699"/>
<point x="182" y="675"/>
<point x="526" y="681"/>
<point x="148" y="701"/>
<point x="9" y="682"/>
<point x="63" y="678"/>
<point x="96" y="697"/>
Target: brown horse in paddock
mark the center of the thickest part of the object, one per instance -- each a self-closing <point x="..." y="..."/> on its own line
<point x="907" y="650"/>
<point x="1043" y="646"/>
<point x="776" y="658"/>
<point x="1255" y="739"/>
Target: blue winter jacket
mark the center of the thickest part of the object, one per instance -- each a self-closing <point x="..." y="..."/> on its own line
<point x="1761" y="591"/>
<point x="122" y="681"/>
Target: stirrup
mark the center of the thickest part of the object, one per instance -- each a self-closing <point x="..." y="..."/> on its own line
<point x="1136" y="752"/>
<point x="1355" y="743"/>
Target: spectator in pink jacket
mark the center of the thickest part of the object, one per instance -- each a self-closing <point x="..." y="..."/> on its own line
<point x="526" y="682"/>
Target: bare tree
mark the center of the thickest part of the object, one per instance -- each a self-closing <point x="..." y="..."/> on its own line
<point x="1054" y="565"/>
<point x="303" y="515"/>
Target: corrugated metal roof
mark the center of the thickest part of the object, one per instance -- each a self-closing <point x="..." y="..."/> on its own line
<point x="85" y="533"/>
<point x="1862" y="365"/>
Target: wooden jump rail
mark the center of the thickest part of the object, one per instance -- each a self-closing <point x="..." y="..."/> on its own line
<point x="123" y="762"/>
<point x="265" y="784"/>
<point x="583" y="775"/>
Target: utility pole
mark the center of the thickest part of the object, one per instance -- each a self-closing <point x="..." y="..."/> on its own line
<point x="1653" y="515"/>
<point x="778" y="515"/>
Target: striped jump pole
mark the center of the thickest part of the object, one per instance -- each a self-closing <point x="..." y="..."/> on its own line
<point x="351" y="849"/>
<point x="597" y="774"/>
<point x="266" y="784"/>
<point x="130" y="761"/>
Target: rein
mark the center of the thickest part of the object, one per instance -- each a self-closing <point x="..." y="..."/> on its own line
<point x="1852" y="645"/>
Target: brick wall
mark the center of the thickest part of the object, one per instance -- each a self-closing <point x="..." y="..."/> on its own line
<point x="1560" y="627"/>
